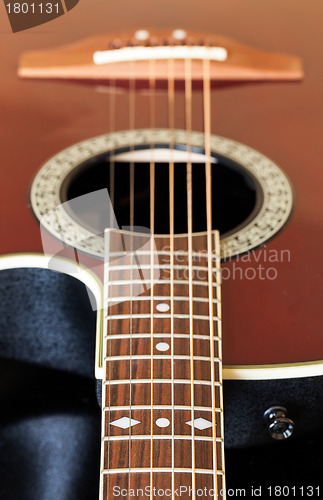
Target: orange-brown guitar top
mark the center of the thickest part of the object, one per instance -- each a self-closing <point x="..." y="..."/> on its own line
<point x="106" y="58"/>
<point x="275" y="319"/>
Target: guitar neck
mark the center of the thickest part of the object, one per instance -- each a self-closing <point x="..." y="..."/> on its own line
<point x="162" y="416"/>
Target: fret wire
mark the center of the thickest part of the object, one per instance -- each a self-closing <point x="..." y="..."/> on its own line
<point x="176" y="267"/>
<point x="161" y="381"/>
<point x="161" y="469"/>
<point x="159" y="356"/>
<point x="155" y="437"/>
<point x="160" y="282"/>
<point x="160" y="316"/>
<point x="161" y="407"/>
<point x="179" y="253"/>
<point x="124" y="298"/>
<point x="160" y="335"/>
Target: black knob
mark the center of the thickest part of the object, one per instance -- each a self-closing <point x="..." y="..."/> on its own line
<point x="279" y="426"/>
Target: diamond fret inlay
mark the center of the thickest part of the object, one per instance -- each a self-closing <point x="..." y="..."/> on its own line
<point x="125" y="422"/>
<point x="200" y="423"/>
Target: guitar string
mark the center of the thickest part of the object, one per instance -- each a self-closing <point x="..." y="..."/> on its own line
<point x="152" y="114"/>
<point x="171" y="183"/>
<point x="219" y="354"/>
<point x="112" y="108"/>
<point x="112" y="129"/>
<point x="171" y="96"/>
<point x="188" y="119"/>
<point x="208" y="187"/>
<point x="132" y="109"/>
<point x="171" y="123"/>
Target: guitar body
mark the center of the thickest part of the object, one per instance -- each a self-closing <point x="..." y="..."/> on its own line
<point x="270" y="318"/>
<point x="271" y="292"/>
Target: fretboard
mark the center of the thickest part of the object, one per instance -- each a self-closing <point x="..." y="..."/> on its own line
<point x="162" y="416"/>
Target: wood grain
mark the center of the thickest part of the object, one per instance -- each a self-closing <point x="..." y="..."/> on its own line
<point x="140" y="382"/>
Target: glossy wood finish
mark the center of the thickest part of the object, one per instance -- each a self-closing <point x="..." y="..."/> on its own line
<point x="143" y="384"/>
<point x="237" y="62"/>
<point x="265" y="321"/>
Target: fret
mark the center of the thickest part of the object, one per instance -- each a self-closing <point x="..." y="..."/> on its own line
<point x="143" y="346"/>
<point x="139" y="479"/>
<point x="178" y="254"/>
<point x="157" y="437"/>
<point x="161" y="310"/>
<point x="164" y="282"/>
<point x="158" y="310"/>
<point x="143" y="267"/>
<point x="118" y="241"/>
<point x="156" y="407"/>
<point x="180" y="470"/>
<point x="156" y="335"/>
<point x="121" y="288"/>
<point x="160" y="316"/>
<point x="162" y="273"/>
<point x="162" y="325"/>
<point x="118" y="393"/>
<point x="124" y="455"/>
<point x="147" y="298"/>
<point x="158" y="356"/>
<point x="160" y="381"/>
<point x="142" y="324"/>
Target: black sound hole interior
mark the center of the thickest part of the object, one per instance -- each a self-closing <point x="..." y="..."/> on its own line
<point x="235" y="194"/>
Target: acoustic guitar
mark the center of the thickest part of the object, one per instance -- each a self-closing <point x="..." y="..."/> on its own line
<point x="123" y="134"/>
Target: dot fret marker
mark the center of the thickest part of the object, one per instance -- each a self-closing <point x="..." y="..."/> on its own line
<point x="162" y="422"/>
<point x="163" y="307"/>
<point x="162" y="346"/>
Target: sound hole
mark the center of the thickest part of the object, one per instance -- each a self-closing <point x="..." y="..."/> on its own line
<point x="235" y="194"/>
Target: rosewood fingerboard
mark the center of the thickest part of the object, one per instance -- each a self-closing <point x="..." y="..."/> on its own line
<point x="162" y="417"/>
